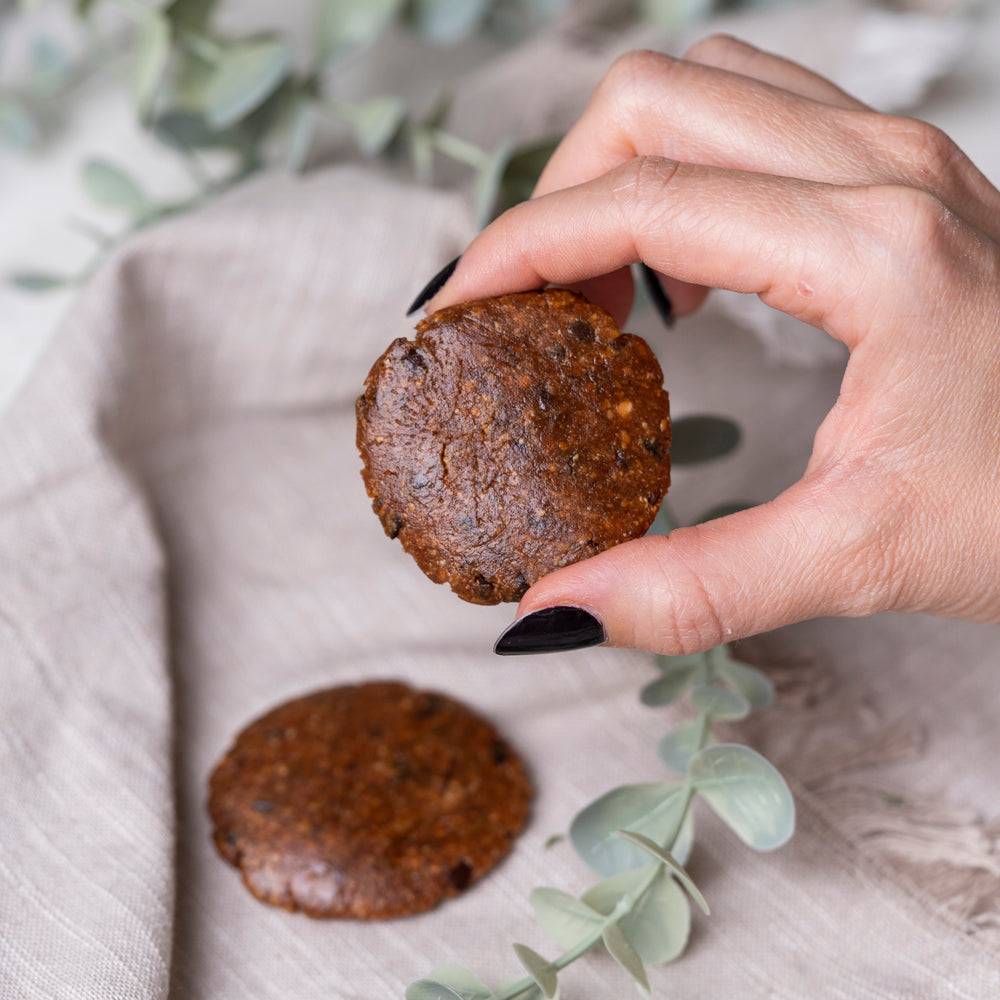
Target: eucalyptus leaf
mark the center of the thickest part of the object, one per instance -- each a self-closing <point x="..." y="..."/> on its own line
<point x="655" y="810"/>
<point x="747" y="793"/>
<point x="684" y="842"/>
<point x="745" y="680"/>
<point x="188" y="130"/>
<point x="700" y="438"/>
<point x="39" y="281"/>
<point x="625" y="955"/>
<point x="541" y="970"/>
<point x="672" y="13"/>
<point x="566" y="919"/>
<point x="429" y="989"/>
<point x="190" y="15"/>
<point x="675" y="867"/>
<point x="680" y="744"/>
<point x="300" y="135"/>
<point x="448" y="982"/>
<point x="347" y="24"/>
<point x="659" y="924"/>
<point x="522" y="171"/>
<point x="674" y="681"/>
<point x="447" y="21"/>
<point x="609" y="892"/>
<point x="376" y="122"/>
<point x="18" y="128"/>
<point x="487" y="186"/>
<point x="109" y="186"/>
<point x="245" y="76"/>
<point x="151" y="56"/>
<point x="719" y="703"/>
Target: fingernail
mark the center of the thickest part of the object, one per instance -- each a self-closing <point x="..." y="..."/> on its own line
<point x="657" y="295"/>
<point x="433" y="286"/>
<point x="551" y="630"/>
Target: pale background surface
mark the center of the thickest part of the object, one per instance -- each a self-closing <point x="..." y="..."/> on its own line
<point x="186" y="542"/>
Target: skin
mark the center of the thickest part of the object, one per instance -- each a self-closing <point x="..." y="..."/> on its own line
<point x="732" y="168"/>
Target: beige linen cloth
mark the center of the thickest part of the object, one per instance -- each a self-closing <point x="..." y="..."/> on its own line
<point x="186" y="541"/>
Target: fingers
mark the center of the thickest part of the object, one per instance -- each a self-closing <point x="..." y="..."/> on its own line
<point x="784" y="121"/>
<point x="728" y="53"/>
<point x="796" y="558"/>
<point x="780" y="238"/>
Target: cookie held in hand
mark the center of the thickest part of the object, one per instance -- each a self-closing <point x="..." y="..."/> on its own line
<point x="367" y="801"/>
<point x="512" y="436"/>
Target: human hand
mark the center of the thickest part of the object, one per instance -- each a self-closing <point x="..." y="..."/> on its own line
<point x="736" y="169"/>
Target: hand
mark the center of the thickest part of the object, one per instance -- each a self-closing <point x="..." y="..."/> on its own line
<point x="735" y="169"/>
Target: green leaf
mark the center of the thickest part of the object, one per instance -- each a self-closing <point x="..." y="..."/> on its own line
<point x="449" y="982"/>
<point x="625" y="955"/>
<point x="376" y="122"/>
<point x="245" y="76"/>
<point x="151" y="55"/>
<point x="347" y="24"/>
<point x="747" y="681"/>
<point x="445" y="22"/>
<point x="566" y="919"/>
<point x="522" y="171"/>
<point x="701" y="439"/>
<point x="719" y="703"/>
<point x="746" y="792"/>
<point x="429" y="989"/>
<point x="111" y="187"/>
<point x="680" y="744"/>
<point x="190" y="15"/>
<point x="684" y="843"/>
<point x="187" y="130"/>
<point x="38" y="281"/>
<point x="542" y="971"/>
<point x="300" y="135"/>
<point x="654" y="849"/>
<point x="659" y="924"/>
<point x="609" y="892"/>
<point x="18" y="128"/>
<point x="672" y="13"/>
<point x="655" y="810"/>
<point x="674" y="681"/>
<point x="488" y="183"/>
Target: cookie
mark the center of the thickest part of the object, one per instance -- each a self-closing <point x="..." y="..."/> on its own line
<point x="367" y="801"/>
<point x="512" y="436"/>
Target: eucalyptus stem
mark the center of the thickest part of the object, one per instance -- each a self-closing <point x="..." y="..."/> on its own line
<point x="461" y="150"/>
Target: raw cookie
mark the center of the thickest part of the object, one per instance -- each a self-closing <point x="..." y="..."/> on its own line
<point x="367" y="801"/>
<point x="513" y="436"/>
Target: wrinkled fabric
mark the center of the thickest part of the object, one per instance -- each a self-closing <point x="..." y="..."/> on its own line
<point x="186" y="542"/>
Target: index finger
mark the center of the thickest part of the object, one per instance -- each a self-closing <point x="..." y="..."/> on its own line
<point x="782" y="238"/>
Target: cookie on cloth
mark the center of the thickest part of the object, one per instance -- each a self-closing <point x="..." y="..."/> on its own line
<point x="367" y="801"/>
<point x="512" y="436"/>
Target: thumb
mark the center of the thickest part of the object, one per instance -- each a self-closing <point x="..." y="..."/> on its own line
<point x="794" y="558"/>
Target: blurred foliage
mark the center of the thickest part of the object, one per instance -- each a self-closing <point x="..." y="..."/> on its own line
<point x="199" y="87"/>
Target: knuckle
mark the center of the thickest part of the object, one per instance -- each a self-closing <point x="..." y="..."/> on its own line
<point x="918" y="153"/>
<point x="914" y="225"/>
<point x="629" y="80"/>
<point x="638" y="187"/>
<point x="721" y="51"/>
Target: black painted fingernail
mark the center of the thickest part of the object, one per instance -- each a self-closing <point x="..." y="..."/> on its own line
<point x="433" y="286"/>
<point x="551" y="630"/>
<point x="657" y="295"/>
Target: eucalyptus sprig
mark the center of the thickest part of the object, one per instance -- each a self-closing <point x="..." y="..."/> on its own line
<point x="199" y="88"/>
<point x="638" y="837"/>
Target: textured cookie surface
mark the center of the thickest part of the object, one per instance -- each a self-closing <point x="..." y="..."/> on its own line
<point x="367" y="801"/>
<point x="512" y="436"/>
